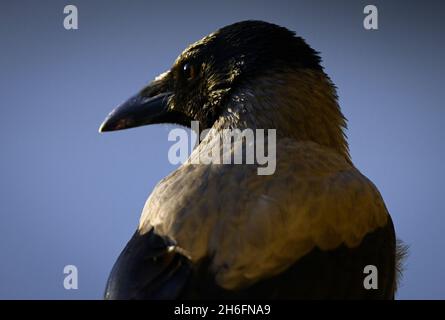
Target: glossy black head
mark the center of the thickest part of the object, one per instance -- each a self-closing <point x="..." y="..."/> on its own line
<point x="206" y="73"/>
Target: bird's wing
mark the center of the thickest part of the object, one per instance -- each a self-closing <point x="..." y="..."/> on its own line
<point x="340" y="273"/>
<point x="148" y="268"/>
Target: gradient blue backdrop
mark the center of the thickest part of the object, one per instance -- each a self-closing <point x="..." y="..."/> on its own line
<point x="69" y="195"/>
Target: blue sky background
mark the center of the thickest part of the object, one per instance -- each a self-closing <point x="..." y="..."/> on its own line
<point x="69" y="195"/>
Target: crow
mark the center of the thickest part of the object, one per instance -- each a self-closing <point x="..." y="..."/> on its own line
<point x="314" y="229"/>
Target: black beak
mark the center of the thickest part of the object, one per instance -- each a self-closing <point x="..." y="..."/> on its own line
<point x="139" y="111"/>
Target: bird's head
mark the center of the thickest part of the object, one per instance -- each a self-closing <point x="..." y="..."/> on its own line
<point x="249" y="57"/>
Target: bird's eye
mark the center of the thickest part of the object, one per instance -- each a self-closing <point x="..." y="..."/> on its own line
<point x="189" y="71"/>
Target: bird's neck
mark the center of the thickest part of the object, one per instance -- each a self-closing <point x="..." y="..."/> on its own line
<point x="301" y="105"/>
